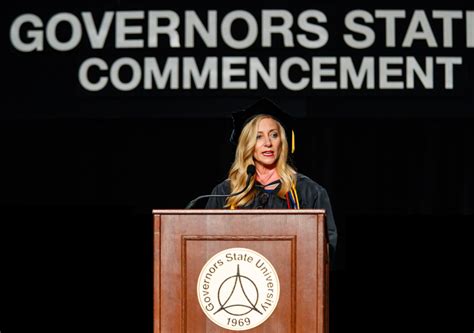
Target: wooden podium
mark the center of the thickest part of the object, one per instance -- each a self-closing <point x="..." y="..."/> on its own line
<point x="294" y="241"/>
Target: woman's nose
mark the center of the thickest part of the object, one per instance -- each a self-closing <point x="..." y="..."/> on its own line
<point x="267" y="142"/>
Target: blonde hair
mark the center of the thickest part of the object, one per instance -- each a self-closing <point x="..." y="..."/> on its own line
<point x="244" y="157"/>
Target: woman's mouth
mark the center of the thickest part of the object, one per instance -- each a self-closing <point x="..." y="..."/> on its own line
<point x="267" y="153"/>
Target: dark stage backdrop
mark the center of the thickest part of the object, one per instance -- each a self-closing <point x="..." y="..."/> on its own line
<point x="112" y="109"/>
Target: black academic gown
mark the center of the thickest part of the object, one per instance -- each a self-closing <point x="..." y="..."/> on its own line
<point x="311" y="196"/>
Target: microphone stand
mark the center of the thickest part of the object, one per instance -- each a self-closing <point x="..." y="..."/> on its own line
<point x="250" y="173"/>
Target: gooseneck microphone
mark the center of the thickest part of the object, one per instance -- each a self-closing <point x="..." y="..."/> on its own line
<point x="250" y="173"/>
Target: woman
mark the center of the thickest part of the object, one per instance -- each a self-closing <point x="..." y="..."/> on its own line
<point x="260" y="133"/>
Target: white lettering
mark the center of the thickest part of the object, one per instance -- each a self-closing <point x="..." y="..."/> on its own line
<point x="447" y="16"/>
<point x="284" y="29"/>
<point x="419" y="19"/>
<point x="193" y="23"/>
<point x="36" y="43"/>
<point x="425" y="76"/>
<point x="161" y="78"/>
<point x="122" y="29"/>
<point x="366" y="70"/>
<point x="448" y="63"/>
<point x="97" y="37"/>
<point x="76" y="32"/>
<point x="285" y="73"/>
<point x="305" y="25"/>
<point x="115" y="74"/>
<point x="155" y="29"/>
<point x="470" y="28"/>
<point x="390" y="16"/>
<point x="84" y="77"/>
<point x="385" y="72"/>
<point x="191" y="73"/>
<point x="319" y="72"/>
<point x="252" y="32"/>
<point x="258" y="70"/>
<point x="367" y="32"/>
<point x="228" y="72"/>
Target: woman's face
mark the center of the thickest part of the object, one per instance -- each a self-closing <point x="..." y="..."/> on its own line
<point x="268" y="146"/>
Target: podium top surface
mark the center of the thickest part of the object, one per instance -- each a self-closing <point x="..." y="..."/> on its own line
<point x="237" y="211"/>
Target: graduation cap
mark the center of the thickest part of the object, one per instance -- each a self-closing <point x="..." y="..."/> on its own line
<point x="262" y="106"/>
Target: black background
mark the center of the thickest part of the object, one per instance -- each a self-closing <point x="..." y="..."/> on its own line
<point x="80" y="175"/>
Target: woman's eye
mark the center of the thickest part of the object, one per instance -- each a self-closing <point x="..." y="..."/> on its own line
<point x="274" y="135"/>
<point x="259" y="136"/>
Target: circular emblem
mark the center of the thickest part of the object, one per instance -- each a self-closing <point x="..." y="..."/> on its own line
<point x="238" y="289"/>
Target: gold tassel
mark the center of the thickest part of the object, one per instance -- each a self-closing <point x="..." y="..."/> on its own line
<point x="292" y="141"/>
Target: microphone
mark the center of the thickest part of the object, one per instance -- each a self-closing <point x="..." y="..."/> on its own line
<point x="250" y="173"/>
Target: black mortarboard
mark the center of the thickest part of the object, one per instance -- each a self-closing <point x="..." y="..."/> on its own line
<point x="262" y="106"/>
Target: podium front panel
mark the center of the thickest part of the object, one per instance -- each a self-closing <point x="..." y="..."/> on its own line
<point x="294" y="243"/>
